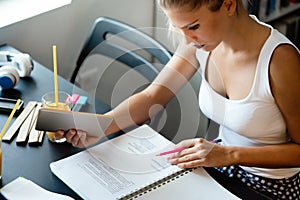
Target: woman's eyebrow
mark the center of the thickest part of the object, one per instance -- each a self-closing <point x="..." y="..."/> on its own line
<point x="186" y="26"/>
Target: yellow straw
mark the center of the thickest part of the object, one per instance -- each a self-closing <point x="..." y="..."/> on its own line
<point x="55" y="75"/>
<point x="9" y="118"/>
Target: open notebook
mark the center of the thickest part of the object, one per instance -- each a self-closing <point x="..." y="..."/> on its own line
<point x="126" y="168"/>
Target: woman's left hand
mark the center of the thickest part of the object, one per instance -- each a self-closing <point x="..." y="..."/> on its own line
<point x="77" y="138"/>
<point x="199" y="152"/>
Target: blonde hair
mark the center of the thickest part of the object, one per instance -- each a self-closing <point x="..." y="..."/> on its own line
<point x="213" y="5"/>
<point x="191" y="5"/>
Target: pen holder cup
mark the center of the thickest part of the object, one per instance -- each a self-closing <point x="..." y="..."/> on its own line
<point x="64" y="103"/>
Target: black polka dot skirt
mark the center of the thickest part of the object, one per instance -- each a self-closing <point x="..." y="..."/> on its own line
<point x="286" y="188"/>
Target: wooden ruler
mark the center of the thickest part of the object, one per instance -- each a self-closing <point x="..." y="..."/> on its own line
<point x="35" y="136"/>
<point x="28" y="124"/>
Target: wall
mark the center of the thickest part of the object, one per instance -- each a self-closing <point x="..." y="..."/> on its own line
<point x="67" y="27"/>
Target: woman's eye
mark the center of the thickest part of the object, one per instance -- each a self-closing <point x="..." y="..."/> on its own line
<point x="195" y="27"/>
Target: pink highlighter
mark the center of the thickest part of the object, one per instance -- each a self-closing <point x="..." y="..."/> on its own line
<point x="182" y="148"/>
<point x="172" y="151"/>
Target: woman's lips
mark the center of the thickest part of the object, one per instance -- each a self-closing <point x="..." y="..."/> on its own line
<point x="199" y="46"/>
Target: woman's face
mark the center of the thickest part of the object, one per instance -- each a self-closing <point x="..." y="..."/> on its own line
<point x="201" y="27"/>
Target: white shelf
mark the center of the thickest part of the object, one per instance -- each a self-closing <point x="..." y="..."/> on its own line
<point x="282" y="12"/>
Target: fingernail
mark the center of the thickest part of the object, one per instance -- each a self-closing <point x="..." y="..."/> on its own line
<point x="171" y="161"/>
<point x="180" y="166"/>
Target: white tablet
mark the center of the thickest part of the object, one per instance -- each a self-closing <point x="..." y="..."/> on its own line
<point x="53" y="120"/>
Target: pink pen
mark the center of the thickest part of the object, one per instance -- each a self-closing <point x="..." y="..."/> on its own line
<point x="216" y="141"/>
<point x="172" y="151"/>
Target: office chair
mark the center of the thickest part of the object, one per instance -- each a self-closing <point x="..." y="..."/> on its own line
<point x="143" y="56"/>
<point x="97" y="43"/>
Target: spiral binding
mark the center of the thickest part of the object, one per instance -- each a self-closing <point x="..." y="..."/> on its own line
<point x="156" y="184"/>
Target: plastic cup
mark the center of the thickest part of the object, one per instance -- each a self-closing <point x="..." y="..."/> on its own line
<point x="48" y="101"/>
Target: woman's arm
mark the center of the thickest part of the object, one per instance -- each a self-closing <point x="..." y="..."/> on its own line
<point x="285" y="86"/>
<point x="139" y="107"/>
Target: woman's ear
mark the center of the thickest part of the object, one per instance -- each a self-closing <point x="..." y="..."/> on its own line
<point x="230" y="6"/>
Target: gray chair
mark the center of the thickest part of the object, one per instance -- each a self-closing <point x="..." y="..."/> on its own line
<point x="118" y="60"/>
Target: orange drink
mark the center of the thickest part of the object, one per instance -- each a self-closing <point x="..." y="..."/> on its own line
<point x="48" y="101"/>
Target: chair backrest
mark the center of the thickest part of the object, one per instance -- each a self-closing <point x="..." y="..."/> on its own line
<point x="180" y="119"/>
<point x="97" y="43"/>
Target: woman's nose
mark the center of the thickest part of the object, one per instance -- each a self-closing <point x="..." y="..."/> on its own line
<point x="189" y="36"/>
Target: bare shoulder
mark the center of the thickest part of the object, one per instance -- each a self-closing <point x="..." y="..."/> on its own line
<point x="187" y="53"/>
<point x="285" y="64"/>
<point x="184" y="61"/>
<point x="285" y="85"/>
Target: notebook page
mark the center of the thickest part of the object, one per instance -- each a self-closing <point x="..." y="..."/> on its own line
<point x="117" y="167"/>
<point x="195" y="185"/>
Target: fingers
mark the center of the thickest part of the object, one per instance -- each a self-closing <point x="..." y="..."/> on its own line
<point x="75" y="137"/>
<point x="190" y="145"/>
<point x="190" y="142"/>
<point x="79" y="138"/>
<point x="192" y="164"/>
<point x="194" y="155"/>
<point x="59" y="134"/>
<point x="186" y="157"/>
<point x="188" y="161"/>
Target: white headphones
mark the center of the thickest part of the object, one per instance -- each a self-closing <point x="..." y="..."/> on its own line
<point x="12" y="67"/>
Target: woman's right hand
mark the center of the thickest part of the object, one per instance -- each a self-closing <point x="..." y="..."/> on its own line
<point x="77" y="138"/>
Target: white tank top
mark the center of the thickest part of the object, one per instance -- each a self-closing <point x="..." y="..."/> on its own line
<point x="255" y="120"/>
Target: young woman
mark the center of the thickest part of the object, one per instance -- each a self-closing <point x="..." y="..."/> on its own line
<point x="250" y="86"/>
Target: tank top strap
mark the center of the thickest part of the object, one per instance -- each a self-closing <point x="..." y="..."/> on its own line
<point x="261" y="86"/>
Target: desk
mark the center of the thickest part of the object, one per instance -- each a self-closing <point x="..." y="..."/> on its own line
<point x="32" y="162"/>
